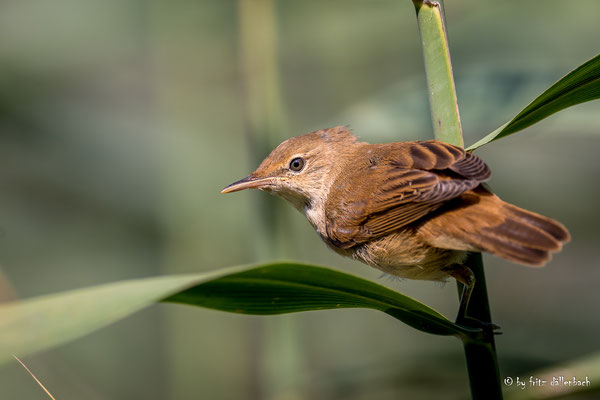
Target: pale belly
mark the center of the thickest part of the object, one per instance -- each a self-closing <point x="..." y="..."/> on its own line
<point x="404" y="255"/>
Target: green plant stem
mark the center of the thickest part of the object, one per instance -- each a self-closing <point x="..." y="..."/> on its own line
<point x="275" y="355"/>
<point x="480" y="350"/>
<point x="438" y="70"/>
<point x="264" y="116"/>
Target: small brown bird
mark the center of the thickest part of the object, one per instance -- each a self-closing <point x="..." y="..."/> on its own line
<point x="411" y="209"/>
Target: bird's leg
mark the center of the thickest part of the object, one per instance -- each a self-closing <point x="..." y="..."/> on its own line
<point x="465" y="276"/>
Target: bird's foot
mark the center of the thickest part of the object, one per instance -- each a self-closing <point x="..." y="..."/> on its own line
<point x="487" y="327"/>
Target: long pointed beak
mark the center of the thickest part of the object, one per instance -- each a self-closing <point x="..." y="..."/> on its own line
<point x="249" y="182"/>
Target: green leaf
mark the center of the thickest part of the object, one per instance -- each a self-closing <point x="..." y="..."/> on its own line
<point x="579" y="86"/>
<point x="292" y="287"/>
<point x="43" y="322"/>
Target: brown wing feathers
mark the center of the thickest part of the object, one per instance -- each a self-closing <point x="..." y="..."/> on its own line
<point x="412" y="180"/>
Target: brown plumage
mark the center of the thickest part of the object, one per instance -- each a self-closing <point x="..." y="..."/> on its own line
<point x="412" y="209"/>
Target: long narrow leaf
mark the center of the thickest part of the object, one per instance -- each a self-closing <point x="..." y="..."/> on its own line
<point x="40" y="323"/>
<point x="579" y="86"/>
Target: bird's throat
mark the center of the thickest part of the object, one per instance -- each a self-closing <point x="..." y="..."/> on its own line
<point x="315" y="213"/>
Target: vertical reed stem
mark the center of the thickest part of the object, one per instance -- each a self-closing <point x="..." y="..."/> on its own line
<point x="480" y="352"/>
<point x="276" y="357"/>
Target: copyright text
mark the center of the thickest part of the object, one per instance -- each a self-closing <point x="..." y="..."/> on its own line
<point x="556" y="381"/>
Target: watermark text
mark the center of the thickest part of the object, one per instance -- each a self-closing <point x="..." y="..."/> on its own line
<point x="555" y="381"/>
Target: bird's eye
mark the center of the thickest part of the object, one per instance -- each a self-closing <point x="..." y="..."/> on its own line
<point x="297" y="164"/>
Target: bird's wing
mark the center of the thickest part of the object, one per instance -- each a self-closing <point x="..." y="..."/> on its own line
<point x="410" y="182"/>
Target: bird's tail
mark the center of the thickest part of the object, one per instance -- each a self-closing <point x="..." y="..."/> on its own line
<point x="485" y="222"/>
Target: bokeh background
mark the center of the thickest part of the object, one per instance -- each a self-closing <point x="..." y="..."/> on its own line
<point x="121" y="120"/>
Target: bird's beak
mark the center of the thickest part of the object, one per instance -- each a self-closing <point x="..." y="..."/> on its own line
<point x="249" y="182"/>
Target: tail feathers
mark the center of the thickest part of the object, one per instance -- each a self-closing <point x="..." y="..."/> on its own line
<point x="548" y="225"/>
<point x="480" y="220"/>
<point x="522" y="236"/>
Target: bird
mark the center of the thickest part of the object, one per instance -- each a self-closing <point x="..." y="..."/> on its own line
<point x="411" y="209"/>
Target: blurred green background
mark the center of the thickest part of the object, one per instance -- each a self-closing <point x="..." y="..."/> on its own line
<point x="120" y="122"/>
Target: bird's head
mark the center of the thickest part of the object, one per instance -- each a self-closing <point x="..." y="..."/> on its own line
<point x="301" y="168"/>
